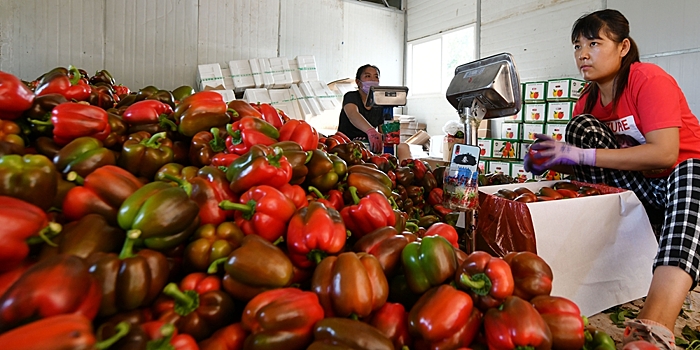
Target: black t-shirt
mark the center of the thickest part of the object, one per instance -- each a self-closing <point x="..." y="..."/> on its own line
<point x="374" y="116"/>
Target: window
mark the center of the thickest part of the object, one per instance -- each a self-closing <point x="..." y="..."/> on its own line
<point x="431" y="61"/>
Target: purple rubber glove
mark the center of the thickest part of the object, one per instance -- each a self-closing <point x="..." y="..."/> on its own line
<point x="555" y="153"/>
<point x="375" y="140"/>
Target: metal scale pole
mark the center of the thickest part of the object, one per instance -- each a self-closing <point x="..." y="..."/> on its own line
<point x="471" y="117"/>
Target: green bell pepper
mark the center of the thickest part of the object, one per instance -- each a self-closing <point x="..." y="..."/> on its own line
<point x="31" y="178"/>
<point x="428" y="263"/>
<point x="83" y="155"/>
<point x="324" y="170"/>
<point x="143" y="154"/>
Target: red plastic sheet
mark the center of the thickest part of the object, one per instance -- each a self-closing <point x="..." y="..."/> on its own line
<point x="505" y="226"/>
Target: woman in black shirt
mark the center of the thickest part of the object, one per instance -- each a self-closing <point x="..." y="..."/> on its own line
<point x="357" y="121"/>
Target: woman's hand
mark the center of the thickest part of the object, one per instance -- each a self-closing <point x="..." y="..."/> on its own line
<point x="556" y="153"/>
<point x="375" y="140"/>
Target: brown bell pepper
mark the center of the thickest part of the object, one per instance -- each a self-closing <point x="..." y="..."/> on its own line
<point x="487" y="279"/>
<point x="297" y="158"/>
<point x="117" y="134"/>
<point x="102" y="192"/>
<point x="212" y="242"/>
<point x="142" y="154"/>
<point x="90" y="234"/>
<point x="200" y="112"/>
<point x="198" y="307"/>
<point x="31" y="177"/>
<point x="366" y="179"/>
<point x="55" y="286"/>
<point x="206" y="144"/>
<point x="516" y="324"/>
<point x="444" y="318"/>
<point x="386" y="244"/>
<point x="324" y="172"/>
<point x="177" y="170"/>
<point x="83" y="155"/>
<point x="349" y="152"/>
<point x="281" y="319"/>
<point x="344" y="333"/>
<point x="531" y="274"/>
<point x="350" y="284"/>
<point x="404" y="176"/>
<point x="247" y="275"/>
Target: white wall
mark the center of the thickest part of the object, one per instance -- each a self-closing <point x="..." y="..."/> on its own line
<point x="537" y="33"/>
<point x="160" y="42"/>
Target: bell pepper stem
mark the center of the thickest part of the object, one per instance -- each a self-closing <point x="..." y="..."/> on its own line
<point x="185" y="301"/>
<point x="75" y="79"/>
<point x="128" y="248"/>
<point x="214" y="267"/>
<point x="45" y="235"/>
<point x="154" y="141"/>
<point x="315" y="191"/>
<point x="40" y="122"/>
<point x="412" y="226"/>
<point x="316" y="256"/>
<point x="274" y="159"/>
<point x="353" y="193"/>
<point x="184" y="184"/>
<point x="278" y="241"/>
<point x="309" y="155"/>
<point x="166" y="123"/>
<point x="74" y="177"/>
<point x="479" y="283"/>
<point x="167" y="331"/>
<point x="218" y="144"/>
<point x="122" y="329"/>
<point x="394" y="205"/>
<point x="247" y="209"/>
<point x="233" y="112"/>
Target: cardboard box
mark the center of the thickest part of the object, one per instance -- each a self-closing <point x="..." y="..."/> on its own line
<point x="535" y="91"/>
<point x="495" y="166"/>
<point x="447" y="144"/>
<point x="600" y="248"/>
<point x="209" y="77"/>
<point x="242" y="75"/>
<point x="506" y="149"/>
<point x="281" y="72"/>
<point x="486" y="146"/>
<point x="524" y="147"/>
<point x="560" y="112"/>
<point x="516" y="118"/>
<point x="483" y="165"/>
<point x="307" y="68"/>
<point x="484" y="129"/>
<point x="535" y="112"/>
<point x="511" y="131"/>
<point x="564" y="89"/>
<point x="227" y="95"/>
<point x="557" y="131"/>
<point x="256" y="71"/>
<point x="260" y="95"/>
<point x="228" y="81"/>
<point x="519" y="174"/>
<point x="529" y="131"/>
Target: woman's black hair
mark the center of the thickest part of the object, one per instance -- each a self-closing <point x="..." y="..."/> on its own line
<point x="617" y="28"/>
<point x="362" y="70"/>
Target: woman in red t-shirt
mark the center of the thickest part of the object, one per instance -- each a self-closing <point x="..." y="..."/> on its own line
<point x="633" y="129"/>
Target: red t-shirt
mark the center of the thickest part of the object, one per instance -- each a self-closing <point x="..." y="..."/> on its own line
<point x="652" y="100"/>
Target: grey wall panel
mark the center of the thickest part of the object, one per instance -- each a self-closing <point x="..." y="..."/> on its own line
<point x="428" y="17"/>
<point x="151" y="42"/>
<point x="36" y="35"/>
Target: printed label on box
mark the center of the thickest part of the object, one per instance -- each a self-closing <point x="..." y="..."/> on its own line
<point x="524" y="147"/>
<point x="519" y="174"/>
<point x="516" y="118"/>
<point x="529" y="131"/>
<point x="499" y="167"/>
<point x="556" y="131"/>
<point x="486" y="146"/>
<point x="460" y="189"/>
<point x="505" y="149"/>
<point x="535" y="112"/>
<point x="577" y="88"/>
<point x="510" y="131"/>
<point x="535" y="91"/>
<point x="559" y="111"/>
<point x="564" y="89"/>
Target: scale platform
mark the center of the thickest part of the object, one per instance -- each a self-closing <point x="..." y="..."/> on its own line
<point x="392" y="96"/>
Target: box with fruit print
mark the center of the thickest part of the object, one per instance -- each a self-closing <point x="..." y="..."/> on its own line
<point x="529" y="131"/>
<point x="564" y="89"/>
<point x="495" y="166"/>
<point x="516" y="118"/>
<point x="535" y="91"/>
<point x="517" y="171"/>
<point x="506" y="149"/>
<point x="486" y="146"/>
<point x="560" y="112"/>
<point x="534" y="112"/>
<point x="524" y="147"/>
<point x="556" y="131"/>
<point x="483" y="165"/>
<point x="511" y="131"/>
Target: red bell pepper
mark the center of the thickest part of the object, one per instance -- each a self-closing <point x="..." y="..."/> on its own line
<point x="263" y="210"/>
<point x="147" y="112"/>
<point x="165" y="336"/>
<point x="444" y="318"/>
<point x="68" y="83"/>
<point x="564" y="320"/>
<point x="516" y="324"/>
<point x="392" y="320"/>
<point x="281" y="319"/>
<point x="55" y="332"/>
<point x="269" y="114"/>
<point x="435" y="196"/>
<point x="209" y="188"/>
<point x="334" y="198"/>
<point x="198" y="307"/>
<point x="249" y="131"/>
<point x="296" y="194"/>
<point x="223" y="160"/>
<point x="21" y="221"/>
<point x="72" y="120"/>
<point x="57" y="285"/>
<point x="444" y="230"/>
<point x="230" y="337"/>
<point x="367" y="214"/>
<point x="8" y="278"/>
<point x="200" y="112"/>
<point x="205" y="144"/>
<point x="300" y="132"/>
<point x="103" y="192"/>
<point x="262" y="165"/>
<point x="15" y="97"/>
<point x="531" y="274"/>
<point x="313" y="233"/>
<point x="386" y="244"/>
<point x="240" y="109"/>
<point x="487" y="279"/>
<point x="418" y="166"/>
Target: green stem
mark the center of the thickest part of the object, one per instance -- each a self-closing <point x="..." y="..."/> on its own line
<point x="40" y="122"/>
<point x="217" y="144"/>
<point x="394" y="205"/>
<point x="247" y="209"/>
<point x="278" y="241"/>
<point x="316" y="256"/>
<point x="214" y="267"/>
<point x="45" y="235"/>
<point x="128" y="248"/>
<point x="184" y="184"/>
<point x="154" y="141"/>
<point x="309" y="155"/>
<point x="166" y="123"/>
<point x="233" y="112"/>
<point x="479" y="283"/>
<point x="315" y="191"/>
<point x="76" y="75"/>
<point x="185" y="302"/>
<point x="74" y="177"/>
<point x="353" y="193"/>
<point x="412" y="227"/>
<point x="122" y="329"/>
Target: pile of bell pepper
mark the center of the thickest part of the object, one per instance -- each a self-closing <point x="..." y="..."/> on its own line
<point x="170" y="219"/>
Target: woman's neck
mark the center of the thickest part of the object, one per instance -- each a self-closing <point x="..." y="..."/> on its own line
<point x="606" y="91"/>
